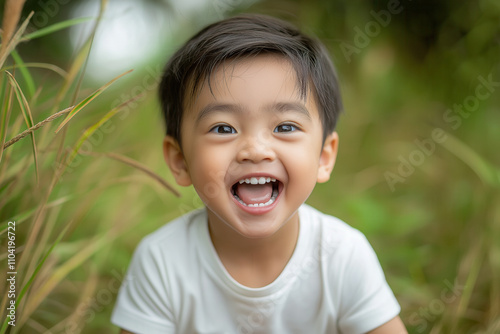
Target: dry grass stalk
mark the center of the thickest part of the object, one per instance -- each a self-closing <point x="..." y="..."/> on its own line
<point x="36" y="127"/>
<point x="77" y="319"/>
<point x="138" y="166"/>
<point x="51" y="67"/>
<point x="11" y="15"/>
<point x="39" y="294"/>
<point x="6" y="110"/>
<point x="24" y="262"/>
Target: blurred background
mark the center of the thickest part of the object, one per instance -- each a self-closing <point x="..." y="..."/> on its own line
<point x="418" y="168"/>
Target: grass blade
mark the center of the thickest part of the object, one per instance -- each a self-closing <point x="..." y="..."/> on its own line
<point x="55" y="27"/>
<point x="37" y="269"/>
<point x="87" y="100"/>
<point x="28" y="118"/>
<point x="23" y="103"/>
<point x="137" y="165"/>
<point x="488" y="174"/>
<point x="91" y="130"/>
<point x="6" y="94"/>
<point x="30" y="83"/>
<point x="11" y="15"/>
<point x="80" y="59"/>
<point x="78" y="319"/>
<point x="37" y="223"/>
<point x="6" y="50"/>
<point x="36" y="127"/>
<point x="21" y="217"/>
<point x="62" y="271"/>
<point x="51" y="67"/>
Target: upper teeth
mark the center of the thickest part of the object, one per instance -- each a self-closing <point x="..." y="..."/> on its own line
<point x="258" y="180"/>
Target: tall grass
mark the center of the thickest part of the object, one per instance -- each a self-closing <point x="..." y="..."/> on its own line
<point x="33" y="186"/>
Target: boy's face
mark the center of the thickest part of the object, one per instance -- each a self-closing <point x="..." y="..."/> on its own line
<point x="254" y="128"/>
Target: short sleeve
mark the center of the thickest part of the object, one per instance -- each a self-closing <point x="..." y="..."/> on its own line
<point x="367" y="299"/>
<point x="143" y="300"/>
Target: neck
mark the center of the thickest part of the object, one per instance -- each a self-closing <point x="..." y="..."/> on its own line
<point x="254" y="262"/>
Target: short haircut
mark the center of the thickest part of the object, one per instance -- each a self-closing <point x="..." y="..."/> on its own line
<point x="242" y="36"/>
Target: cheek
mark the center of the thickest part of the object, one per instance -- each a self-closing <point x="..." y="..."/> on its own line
<point x="208" y="168"/>
<point x="303" y="165"/>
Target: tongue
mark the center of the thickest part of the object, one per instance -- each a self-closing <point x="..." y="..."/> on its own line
<point x="254" y="193"/>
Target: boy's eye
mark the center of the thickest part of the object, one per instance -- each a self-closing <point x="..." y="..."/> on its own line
<point x="223" y="129"/>
<point x="285" y="128"/>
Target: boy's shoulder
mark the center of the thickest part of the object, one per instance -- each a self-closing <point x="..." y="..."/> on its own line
<point x="328" y="226"/>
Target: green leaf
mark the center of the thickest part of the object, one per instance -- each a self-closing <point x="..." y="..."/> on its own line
<point x="137" y="165"/>
<point x="480" y="166"/>
<point x="30" y="83"/>
<point x="6" y="98"/>
<point x="87" y="100"/>
<point x="91" y="130"/>
<point x="80" y="59"/>
<point x="55" y="27"/>
<point x="51" y="67"/>
<point x="21" y="217"/>
<point x="28" y="118"/>
<point x="23" y="103"/>
<point x="58" y="274"/>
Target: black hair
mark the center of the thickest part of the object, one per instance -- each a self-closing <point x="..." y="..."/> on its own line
<point x="242" y="36"/>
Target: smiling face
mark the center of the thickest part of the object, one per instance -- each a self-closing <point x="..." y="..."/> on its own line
<point x="253" y="149"/>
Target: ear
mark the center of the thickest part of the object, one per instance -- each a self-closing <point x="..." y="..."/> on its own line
<point x="175" y="160"/>
<point x="327" y="157"/>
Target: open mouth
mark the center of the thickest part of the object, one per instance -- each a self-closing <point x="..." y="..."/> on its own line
<point x="256" y="191"/>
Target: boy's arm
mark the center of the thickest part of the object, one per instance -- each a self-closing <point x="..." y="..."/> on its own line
<point x="393" y="326"/>
<point x="125" y="332"/>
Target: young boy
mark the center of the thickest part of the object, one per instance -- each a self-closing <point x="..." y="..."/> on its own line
<point x="251" y="105"/>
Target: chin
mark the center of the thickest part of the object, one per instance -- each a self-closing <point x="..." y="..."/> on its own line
<point x="257" y="234"/>
<point x="258" y="228"/>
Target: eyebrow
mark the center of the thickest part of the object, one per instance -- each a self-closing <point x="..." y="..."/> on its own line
<point x="280" y="107"/>
<point x="217" y="107"/>
<point x="291" y="106"/>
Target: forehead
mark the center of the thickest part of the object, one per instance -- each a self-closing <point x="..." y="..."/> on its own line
<point x="248" y="80"/>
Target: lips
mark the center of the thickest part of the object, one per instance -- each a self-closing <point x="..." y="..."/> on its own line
<point x="256" y="191"/>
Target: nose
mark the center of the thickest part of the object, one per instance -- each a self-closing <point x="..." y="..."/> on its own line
<point x="256" y="149"/>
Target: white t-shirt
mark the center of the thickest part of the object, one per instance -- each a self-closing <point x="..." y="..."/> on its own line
<point x="333" y="283"/>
